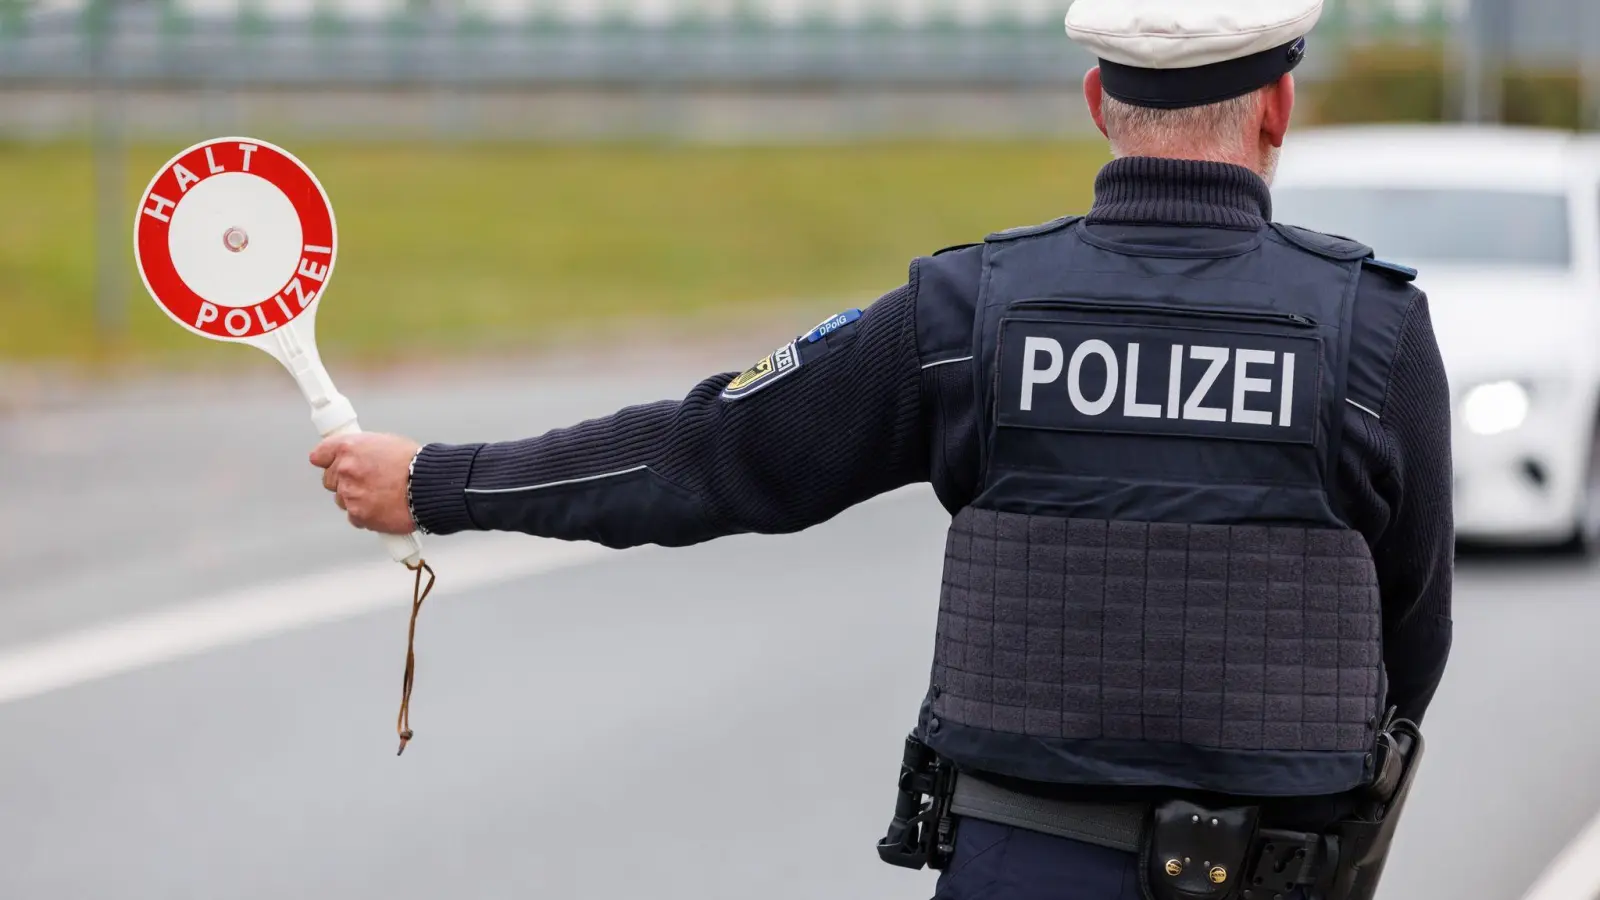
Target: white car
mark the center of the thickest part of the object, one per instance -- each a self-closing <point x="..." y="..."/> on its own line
<point x="1504" y="226"/>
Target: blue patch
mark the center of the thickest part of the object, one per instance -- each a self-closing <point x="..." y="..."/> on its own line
<point x="1406" y="273"/>
<point x="834" y="324"/>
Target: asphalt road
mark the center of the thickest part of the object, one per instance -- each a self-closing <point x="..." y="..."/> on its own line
<point x="724" y="721"/>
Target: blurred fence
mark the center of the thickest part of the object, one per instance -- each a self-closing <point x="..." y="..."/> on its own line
<point x="555" y="68"/>
<point x="527" y="43"/>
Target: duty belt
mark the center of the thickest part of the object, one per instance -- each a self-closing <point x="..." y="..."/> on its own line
<point x="1185" y="850"/>
<point x="1118" y="826"/>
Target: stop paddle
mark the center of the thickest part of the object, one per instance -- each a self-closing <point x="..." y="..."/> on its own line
<point x="235" y="240"/>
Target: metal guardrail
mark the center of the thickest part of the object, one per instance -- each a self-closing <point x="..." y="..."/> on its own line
<point x="960" y="13"/>
<point x="368" y="56"/>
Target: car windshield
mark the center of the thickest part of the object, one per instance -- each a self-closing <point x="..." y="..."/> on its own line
<point x="1437" y="225"/>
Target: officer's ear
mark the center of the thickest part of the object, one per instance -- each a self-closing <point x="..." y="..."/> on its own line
<point x="1094" y="92"/>
<point x="1279" y="102"/>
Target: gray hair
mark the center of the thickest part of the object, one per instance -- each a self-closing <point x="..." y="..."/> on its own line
<point x="1219" y="132"/>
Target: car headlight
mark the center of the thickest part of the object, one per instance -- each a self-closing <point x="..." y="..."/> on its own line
<point x="1496" y="408"/>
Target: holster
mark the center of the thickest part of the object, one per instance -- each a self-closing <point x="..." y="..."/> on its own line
<point x="922" y="834"/>
<point x="1365" y="841"/>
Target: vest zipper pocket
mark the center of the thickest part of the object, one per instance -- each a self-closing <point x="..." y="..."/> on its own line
<point x="1294" y="319"/>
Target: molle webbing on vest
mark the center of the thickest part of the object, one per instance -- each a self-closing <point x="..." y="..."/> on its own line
<point x="1227" y="637"/>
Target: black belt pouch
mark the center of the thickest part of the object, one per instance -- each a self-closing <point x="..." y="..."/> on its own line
<point x="1194" y="853"/>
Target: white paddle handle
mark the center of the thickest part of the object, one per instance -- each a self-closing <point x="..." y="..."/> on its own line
<point x="331" y="411"/>
<point x="404" y="548"/>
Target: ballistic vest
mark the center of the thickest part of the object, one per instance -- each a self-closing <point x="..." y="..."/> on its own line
<point x="1152" y="587"/>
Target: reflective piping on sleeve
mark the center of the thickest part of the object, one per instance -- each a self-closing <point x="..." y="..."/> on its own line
<point x="555" y="484"/>
<point x="946" y="362"/>
<point x="1364" y="409"/>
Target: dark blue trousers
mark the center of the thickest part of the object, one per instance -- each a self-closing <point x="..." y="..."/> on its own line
<point x="998" y="862"/>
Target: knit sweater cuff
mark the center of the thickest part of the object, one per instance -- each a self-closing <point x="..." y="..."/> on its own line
<point x="439" y="488"/>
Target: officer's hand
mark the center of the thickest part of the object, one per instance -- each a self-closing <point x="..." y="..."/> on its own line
<point x="368" y="475"/>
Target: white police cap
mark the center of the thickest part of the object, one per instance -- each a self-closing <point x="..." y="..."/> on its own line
<point x="1170" y="54"/>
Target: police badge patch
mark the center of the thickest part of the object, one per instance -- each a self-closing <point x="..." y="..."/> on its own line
<point x="763" y="374"/>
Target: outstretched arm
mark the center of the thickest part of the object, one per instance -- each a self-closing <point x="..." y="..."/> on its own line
<point x="820" y="426"/>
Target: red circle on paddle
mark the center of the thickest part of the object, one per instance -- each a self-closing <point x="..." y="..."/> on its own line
<point x="235" y="238"/>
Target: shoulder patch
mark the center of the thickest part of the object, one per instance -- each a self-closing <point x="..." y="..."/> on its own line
<point x="1012" y="234"/>
<point x="834" y="323"/>
<point x="1331" y="246"/>
<point x="783" y="362"/>
<point x="1404" y="273"/>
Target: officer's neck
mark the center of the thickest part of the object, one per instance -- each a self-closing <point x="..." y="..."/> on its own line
<point x="1147" y="190"/>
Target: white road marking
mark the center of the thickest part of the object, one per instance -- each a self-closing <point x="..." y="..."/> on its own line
<point x="1575" y="874"/>
<point x="250" y="613"/>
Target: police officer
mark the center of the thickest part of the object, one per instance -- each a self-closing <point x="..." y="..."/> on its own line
<point x="1198" y="465"/>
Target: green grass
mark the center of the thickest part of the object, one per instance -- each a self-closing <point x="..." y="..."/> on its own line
<point x="451" y="250"/>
